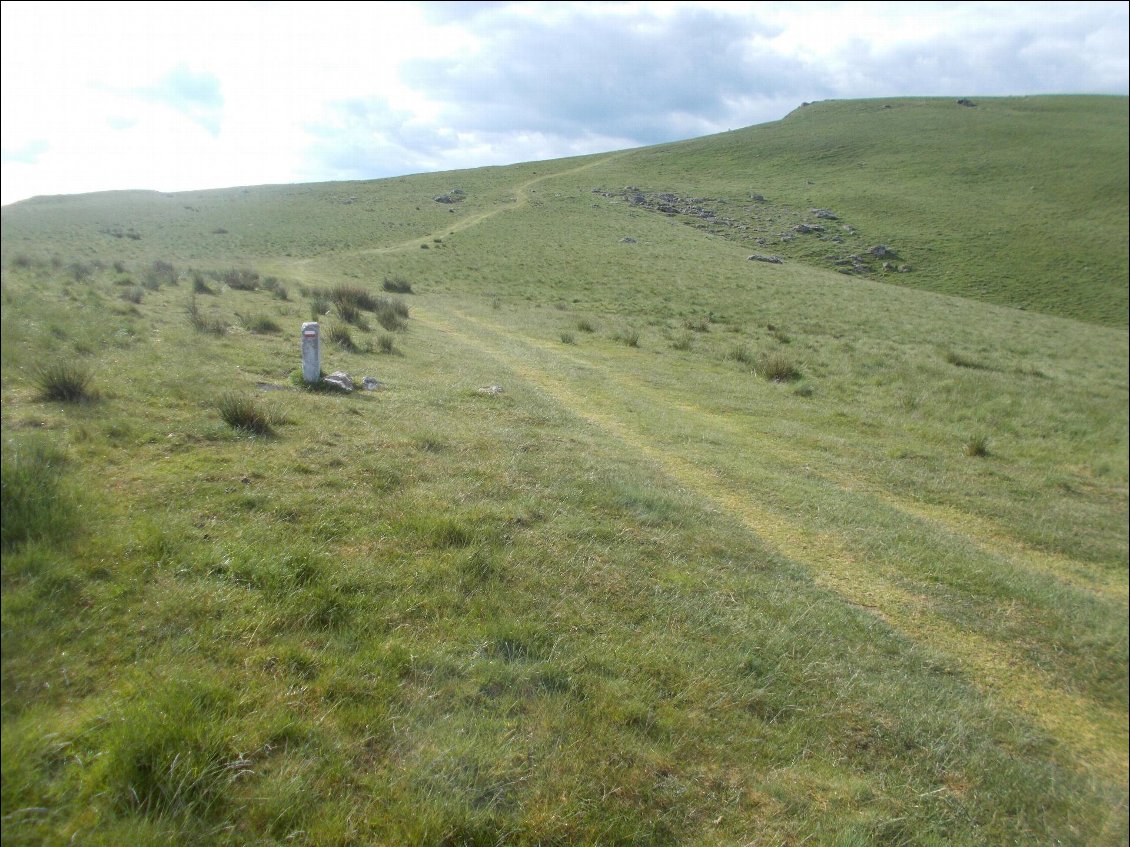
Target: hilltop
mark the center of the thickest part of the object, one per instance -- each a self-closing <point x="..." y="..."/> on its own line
<point x="635" y="540"/>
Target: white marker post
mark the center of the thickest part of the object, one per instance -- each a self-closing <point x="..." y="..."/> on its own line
<point x="311" y="352"/>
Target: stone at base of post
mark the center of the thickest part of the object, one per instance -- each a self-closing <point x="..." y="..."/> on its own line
<point x="311" y="352"/>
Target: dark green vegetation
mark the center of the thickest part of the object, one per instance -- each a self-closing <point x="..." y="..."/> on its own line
<point x="762" y="553"/>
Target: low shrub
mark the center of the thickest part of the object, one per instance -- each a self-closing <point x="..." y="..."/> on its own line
<point x="133" y="294"/>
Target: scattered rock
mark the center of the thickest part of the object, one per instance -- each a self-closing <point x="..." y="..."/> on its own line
<point x="824" y="214"/>
<point x="966" y="102"/>
<point x="491" y="390"/>
<point x="448" y="198"/>
<point x="341" y="379"/>
<point x="773" y="260"/>
<point x="371" y="383"/>
<point x="880" y="251"/>
<point x="757" y="198"/>
<point x="804" y="229"/>
<point x="627" y="239"/>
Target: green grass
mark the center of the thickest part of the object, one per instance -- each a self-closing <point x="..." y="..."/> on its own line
<point x="639" y="596"/>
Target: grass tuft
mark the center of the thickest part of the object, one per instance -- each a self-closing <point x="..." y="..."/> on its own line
<point x="342" y="337"/>
<point x="977" y="446"/>
<point x="776" y="367"/>
<point x="397" y="285"/>
<point x="67" y="382"/>
<point x="243" y="413"/>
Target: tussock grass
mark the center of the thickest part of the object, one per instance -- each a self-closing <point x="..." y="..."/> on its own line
<point x="629" y="336"/>
<point x="202" y="322"/>
<point x="342" y="337"/>
<point x="246" y="414"/>
<point x="977" y="446"/>
<point x="776" y="367"/>
<point x="66" y="382"/>
<point x="260" y="324"/>
<point x="353" y="297"/>
<point x="397" y="285"/>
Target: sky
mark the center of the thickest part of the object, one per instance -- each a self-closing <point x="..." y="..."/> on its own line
<point x="179" y="96"/>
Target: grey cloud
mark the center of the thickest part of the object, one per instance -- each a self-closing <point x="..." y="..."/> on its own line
<point x="366" y="138"/>
<point x="195" y="95"/>
<point x="1002" y="58"/>
<point x="647" y="78"/>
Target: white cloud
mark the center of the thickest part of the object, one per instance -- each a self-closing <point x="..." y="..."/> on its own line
<point x="192" y="95"/>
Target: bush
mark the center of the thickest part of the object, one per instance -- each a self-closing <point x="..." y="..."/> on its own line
<point x="33" y="502"/>
<point x="241" y="412"/>
<point x="67" y="382"/>
<point x="397" y="285"/>
<point x="776" y="367"/>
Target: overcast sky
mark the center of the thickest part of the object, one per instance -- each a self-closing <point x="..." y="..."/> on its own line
<point x="176" y="96"/>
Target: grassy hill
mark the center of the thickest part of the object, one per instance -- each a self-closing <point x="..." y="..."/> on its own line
<point x="638" y="542"/>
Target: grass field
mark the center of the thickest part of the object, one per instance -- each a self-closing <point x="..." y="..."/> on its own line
<point x="639" y="542"/>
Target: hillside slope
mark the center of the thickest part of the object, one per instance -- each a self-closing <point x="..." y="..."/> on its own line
<point x="635" y="542"/>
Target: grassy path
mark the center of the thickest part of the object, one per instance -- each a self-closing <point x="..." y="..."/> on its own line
<point x="1095" y="737"/>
